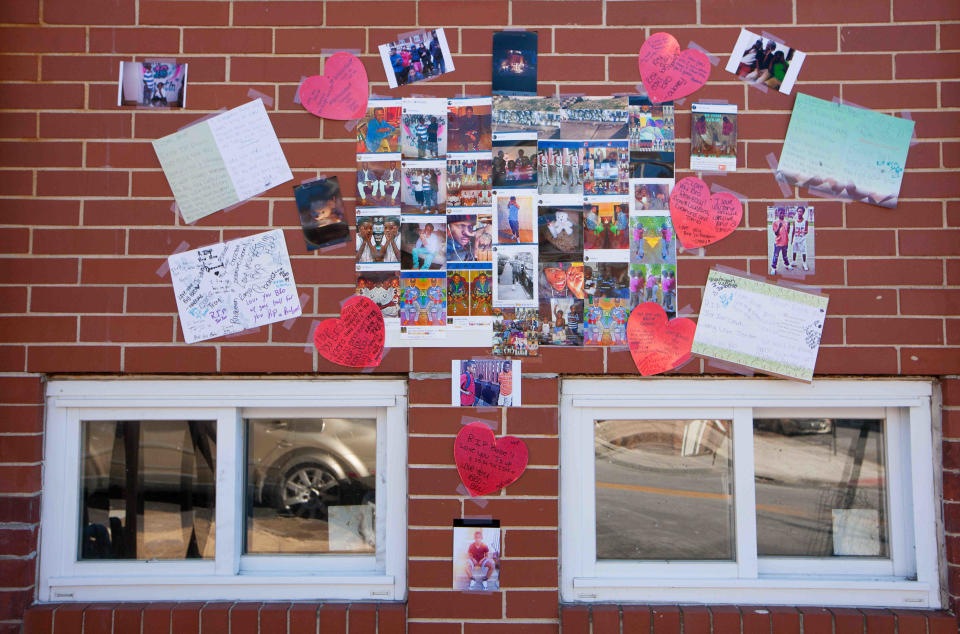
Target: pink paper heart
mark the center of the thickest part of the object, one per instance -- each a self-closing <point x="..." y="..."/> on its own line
<point x="356" y="338"/>
<point x="341" y="92"/>
<point x="486" y="463"/>
<point x="657" y="345"/>
<point x="699" y="218"/>
<point x="669" y="73"/>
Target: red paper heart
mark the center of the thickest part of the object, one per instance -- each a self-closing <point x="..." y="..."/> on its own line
<point x="340" y="93"/>
<point x="700" y="218"/>
<point x="485" y="463"/>
<point x="669" y="73"/>
<point x="356" y="339"/>
<point x="656" y="344"/>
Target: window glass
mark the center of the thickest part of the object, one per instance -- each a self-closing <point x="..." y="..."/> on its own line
<point x="311" y="485"/>
<point x="820" y="486"/>
<point x="148" y="490"/>
<point x="664" y="489"/>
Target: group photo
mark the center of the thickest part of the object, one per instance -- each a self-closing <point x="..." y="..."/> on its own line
<point x="378" y="184"/>
<point x="516" y="332"/>
<point x="790" y="239"/>
<point x="542" y="115"/>
<point x="420" y="56"/>
<point x="561" y="322"/>
<point x="378" y="239"/>
<point x="469" y="182"/>
<point x="606" y="226"/>
<point x="560" y="165"/>
<point x="586" y="118"/>
<point x="424" y="190"/>
<point x="765" y="62"/>
<point x="515" y="164"/>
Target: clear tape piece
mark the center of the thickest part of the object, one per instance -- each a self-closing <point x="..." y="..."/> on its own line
<point x="680" y="101"/>
<point x="165" y="267"/>
<point x="845" y="102"/>
<point x="332" y="51"/>
<point x="771" y="36"/>
<point x="242" y="333"/>
<point x="462" y="490"/>
<point x="304" y="298"/>
<point x="904" y="114"/>
<point x="774" y="164"/>
<point x="715" y="101"/>
<point x="351" y="124"/>
<point x="717" y="364"/>
<point x="698" y="251"/>
<point x="719" y="188"/>
<point x="314" y="179"/>
<point x="202" y="119"/>
<point x="256" y="94"/>
<point x="714" y="60"/>
<point x="376" y="96"/>
<point x="761" y="87"/>
<point x="310" y="348"/>
<point x="296" y="93"/>
<point x="408" y="34"/>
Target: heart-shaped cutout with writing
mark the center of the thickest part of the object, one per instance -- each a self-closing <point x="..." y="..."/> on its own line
<point x="341" y="92"/>
<point x="669" y="73"/>
<point x="699" y="218"/>
<point x="356" y="338"/>
<point x="486" y="463"/>
<point x="657" y="345"/>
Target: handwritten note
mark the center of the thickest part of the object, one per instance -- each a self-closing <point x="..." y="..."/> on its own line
<point x="485" y="463"/>
<point x="766" y="327"/>
<point x="222" y="161"/>
<point x="657" y="345"/>
<point x="356" y="338"/>
<point x="845" y="152"/>
<point x="669" y="73"/>
<point x="340" y="93"/>
<point x="232" y="286"/>
<point x="699" y="218"/>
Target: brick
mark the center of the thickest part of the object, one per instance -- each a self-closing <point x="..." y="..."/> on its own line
<point x="173" y="13"/>
<point x="82" y="183"/>
<point x="127" y="617"/>
<point x="20" y="509"/>
<point x="929" y="302"/>
<point x="165" y="241"/>
<point x="940" y="10"/>
<point x="16" y="39"/>
<point x="135" y="40"/>
<point x="855" y="242"/>
<point x="15" y="183"/>
<point x="929" y="242"/>
<point x="222" y="40"/>
<point x="38" y="619"/>
<point x="898" y="37"/>
<point x="21" y="390"/>
<point x="532" y="604"/>
<point x="506" y="627"/>
<point x="41" y="96"/>
<point x="922" y="214"/>
<point x="68" y="619"/>
<point x="549" y="12"/>
<point x="16" y="329"/>
<point x="80" y="358"/>
<point x="665" y="619"/>
<point x="575" y="619"/>
<point x="847" y="620"/>
<point x="215" y="617"/>
<point x="927" y="65"/>
<point x="19" y="68"/>
<point x="257" y="359"/>
<point x="13" y="358"/>
<point x="636" y="618"/>
<point x="465" y="12"/>
<point x="930" y="360"/>
<point x="21" y="449"/>
<point x="600" y="41"/>
<point x="79" y="241"/>
<point x="14" y="300"/>
<point x="823" y="11"/>
<point x="83" y="125"/>
<point x="333" y="618"/>
<point x="243" y="618"/>
<point x="856" y="360"/>
<point x="121" y="271"/>
<point x="303" y="618"/>
<point x="125" y="328"/>
<point x="724" y="12"/>
<point x="121" y="155"/>
<point x="314" y="40"/>
<point x="98" y="618"/>
<point x="880" y="330"/>
<point x="363" y="618"/>
<point x="170" y="359"/>
<point x="20" y="479"/>
<point x="606" y="619"/>
<point x="681" y="12"/>
<point x="531" y="543"/>
<point x="392" y="618"/>
<point x="865" y="301"/>
<point x="532" y="421"/>
<point x="118" y="213"/>
<point x="850" y="66"/>
<point x="888" y="96"/>
<point x="22" y="12"/>
<point x="726" y="619"/>
<point x="392" y="14"/>
<point x="756" y="621"/>
<point x="696" y="618"/>
<point x="15" y="241"/>
<point x="528" y="573"/>
<point x="80" y="68"/>
<point x="901" y="271"/>
<point x="434" y="628"/>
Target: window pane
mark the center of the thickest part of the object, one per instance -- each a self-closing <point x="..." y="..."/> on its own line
<point x="148" y="490"/>
<point x="311" y="485"/>
<point x="664" y="489"/>
<point x="820" y="487"/>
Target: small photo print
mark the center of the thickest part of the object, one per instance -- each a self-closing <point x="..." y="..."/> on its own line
<point x="561" y="280"/>
<point x="378" y="240"/>
<point x="422" y="243"/>
<point x="607" y="279"/>
<point x="515" y="218"/>
<point x="378" y="184"/>
<point x="541" y="115"/>
<point x="419" y="56"/>
<point x="560" y="234"/>
<point x="516" y="332"/>
<point x="651" y="194"/>
<point x="320" y="205"/>
<point x="423" y="187"/>
<point x="515" y="267"/>
<point x="765" y="62"/>
<point x="606" y="168"/>
<point x="469" y="181"/>
<point x="654" y="283"/>
<point x="651" y="164"/>
<point x="379" y="131"/>
<point x="560" y="167"/>
<point x="481" y="293"/>
<point x="652" y="240"/>
<point x="156" y="84"/>
<point x="423" y="298"/>
<point x="469" y="238"/>
<point x="476" y="555"/>
<point x="606" y="226"/>
<point x="515" y="63"/>
<point x="713" y="137"/>
<point x="651" y="125"/>
<point x="423" y="133"/>
<point x="383" y="288"/>
<point x="605" y="321"/>
<point x="515" y="164"/>
<point x="594" y="118"/>
<point x="469" y="121"/>
<point x="561" y="322"/>
<point x="458" y="293"/>
<point x="790" y="240"/>
<point x="485" y="383"/>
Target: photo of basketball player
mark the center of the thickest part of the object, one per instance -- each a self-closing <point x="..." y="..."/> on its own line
<point x="469" y="123"/>
<point x="515" y="164"/>
<point x="320" y="207"/>
<point x="379" y="131"/>
<point x="560" y="234"/>
<point x="378" y="184"/>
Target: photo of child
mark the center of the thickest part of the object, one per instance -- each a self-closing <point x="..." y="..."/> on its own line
<point x="320" y="206"/>
<point x="476" y="556"/>
<point x="561" y="322"/>
<point x="515" y="219"/>
<point x="790" y="240"/>
<point x="155" y="83"/>
<point x="713" y="137"/>
<point x="423" y="129"/>
<point x="654" y="283"/>
<point x="469" y="121"/>
<point x="516" y="332"/>
<point x="560" y="164"/>
<point x="481" y="293"/>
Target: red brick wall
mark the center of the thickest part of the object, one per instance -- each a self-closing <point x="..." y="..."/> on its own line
<point x="86" y="222"/>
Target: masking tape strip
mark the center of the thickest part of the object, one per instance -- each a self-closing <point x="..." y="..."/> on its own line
<point x="774" y="164"/>
<point x="165" y="267"/>
<point x="714" y="60"/>
<point x="256" y="94"/>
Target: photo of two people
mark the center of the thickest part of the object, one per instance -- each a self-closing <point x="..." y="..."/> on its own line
<point x="486" y="383"/>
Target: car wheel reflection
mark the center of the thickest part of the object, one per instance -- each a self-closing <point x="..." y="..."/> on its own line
<point x="308" y="490"/>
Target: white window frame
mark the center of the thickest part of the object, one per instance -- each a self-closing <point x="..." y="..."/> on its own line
<point x="909" y="578"/>
<point x="230" y="575"/>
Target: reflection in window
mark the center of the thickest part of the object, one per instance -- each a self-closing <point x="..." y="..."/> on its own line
<point x="820" y="487"/>
<point x="148" y="490"/>
<point x="664" y="489"/>
<point x="311" y="485"/>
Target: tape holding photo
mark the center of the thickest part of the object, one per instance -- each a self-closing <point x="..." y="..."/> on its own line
<point x="243" y="333"/>
<point x="165" y="267"/>
<point x="213" y="114"/>
<point x="906" y="114"/>
<point x="771" y="36"/>
<point x="774" y="164"/>
<point x="310" y="348"/>
<point x="714" y="188"/>
<point x="714" y="60"/>
<point x="256" y="94"/>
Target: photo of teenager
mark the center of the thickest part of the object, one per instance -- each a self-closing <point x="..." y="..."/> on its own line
<point x="561" y="280"/>
<point x="469" y="123"/>
<point x="651" y="125"/>
<point x="560" y="167"/>
<point x="594" y="118"/>
<point x="561" y="322"/>
<point x="379" y="131"/>
<point x="560" y="233"/>
<point x="652" y="240"/>
<point x="423" y="244"/>
<point x="655" y="283"/>
<point x="606" y="226"/>
<point x="383" y="288"/>
<point x="790" y="240"/>
<point x="156" y="84"/>
<point x="320" y="206"/>
<point x="515" y="270"/>
<point x="481" y="293"/>
<point x="765" y="62"/>
<point x="606" y="168"/>
<point x="458" y="293"/>
<point x="651" y="196"/>
<point x="515" y="218"/>
<point x="515" y="163"/>
<point x="378" y="240"/>
<point x="421" y="55"/>
<point x="485" y="383"/>
<point x="423" y="187"/>
<point x="423" y="298"/>
<point x="469" y="238"/>
<point x="516" y="332"/>
<point x="607" y="279"/>
<point x="541" y="115"/>
<point x="713" y="137"/>
<point x="378" y="183"/>
<point x="469" y="181"/>
<point x="605" y="321"/>
<point x="515" y="63"/>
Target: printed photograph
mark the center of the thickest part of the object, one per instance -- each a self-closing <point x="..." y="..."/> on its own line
<point x="542" y="115"/>
<point x="515" y="164"/>
<point x="469" y="182"/>
<point x="515" y="218"/>
<point x="607" y="279"/>
<point x="766" y="62"/>
<point x="561" y="280"/>
<point x="790" y="240"/>
<point x="378" y="184"/>
<point x="481" y="293"/>
<point x="423" y="129"/>
<point x="651" y="125"/>
<point x="651" y="196"/>
<point x="515" y="63"/>
<point x="652" y="240"/>
<point x="423" y="244"/>
<point x="469" y="121"/>
<point x="422" y="55"/>
<point x="469" y="238"/>
<point x="606" y="168"/>
<point x="713" y="137"/>
<point x="515" y="266"/>
<point x="423" y="299"/>
<point x="458" y="293"/>
<point x="654" y="283"/>
<point x="378" y="240"/>
<point x="651" y="164"/>
<point x="606" y="226"/>
<point x="561" y="322"/>
<point x="560" y="167"/>
<point x="155" y="84"/>
<point x="320" y="205"/>
<point x="485" y="383"/>
<point x="383" y="288"/>
<point x="560" y="234"/>
<point x="586" y="118"/>
<point x="516" y="332"/>
<point x="476" y="554"/>
<point x="605" y="321"/>
<point x="423" y="187"/>
<point x="379" y="131"/>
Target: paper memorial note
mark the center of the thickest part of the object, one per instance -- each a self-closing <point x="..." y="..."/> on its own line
<point x="233" y="286"/>
<point x="766" y="327"/>
<point x="222" y="161"/>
